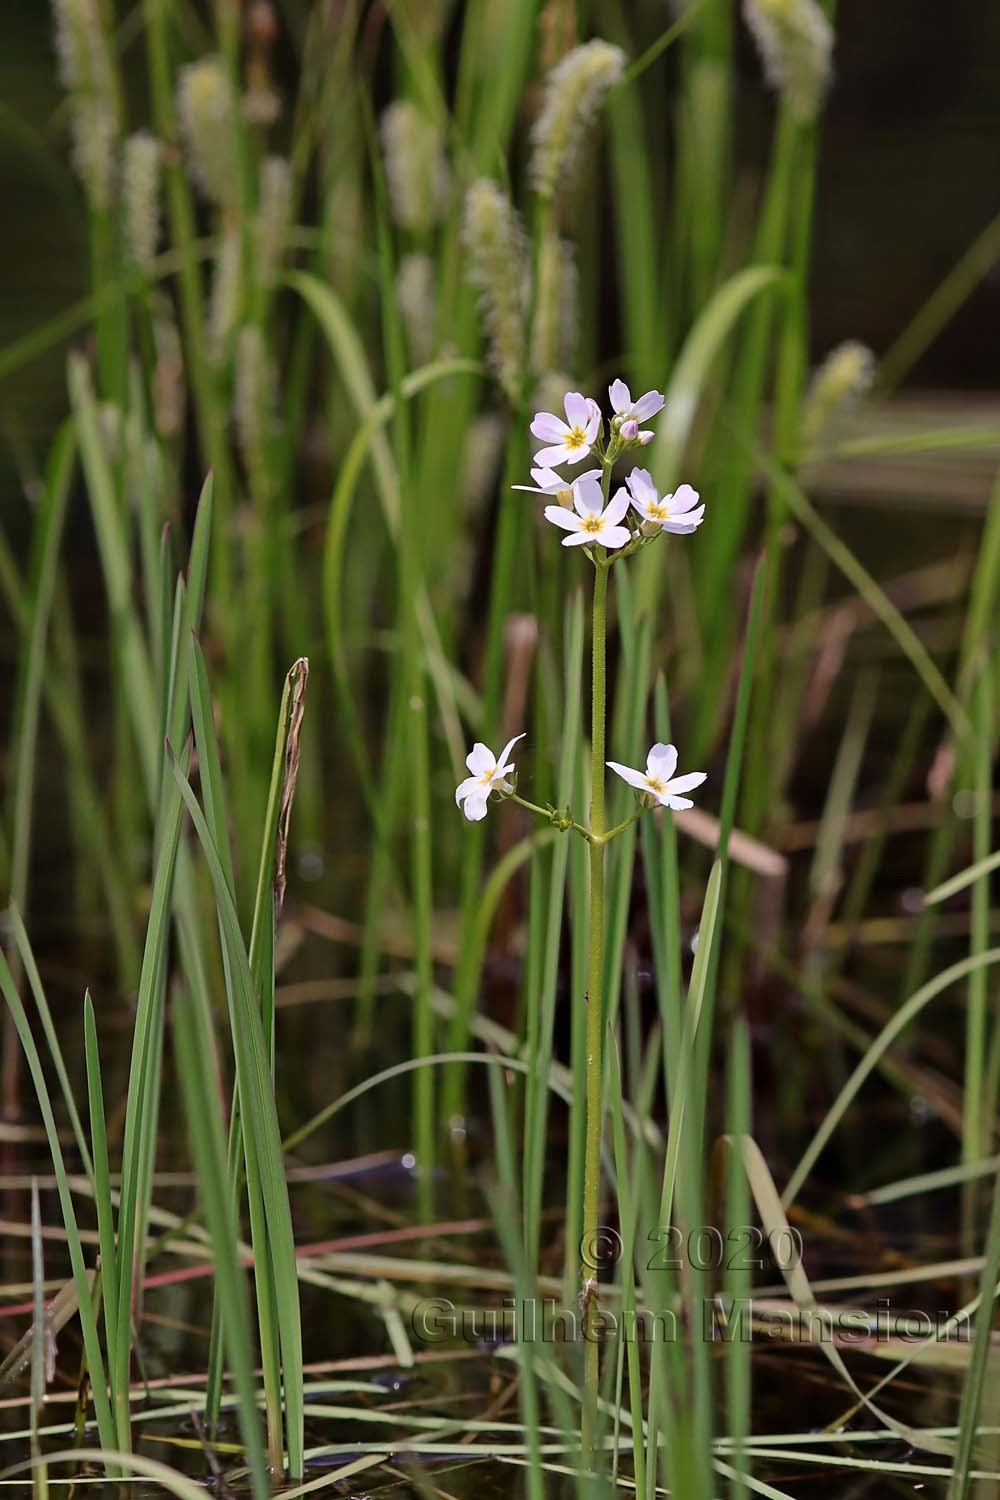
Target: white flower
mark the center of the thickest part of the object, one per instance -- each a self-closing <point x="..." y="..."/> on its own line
<point x="572" y="439"/>
<point x="591" y="520"/>
<point x="674" y="512"/>
<point x="658" y="780"/>
<point x="627" y="410"/>
<point x="548" y="482"/>
<point x="488" y="775"/>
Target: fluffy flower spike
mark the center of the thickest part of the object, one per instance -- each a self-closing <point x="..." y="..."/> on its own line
<point x="795" y="41"/>
<point x="574" y="92"/>
<point x="415" y="165"/>
<point x="498" y="266"/>
<point x="842" y="380"/>
<point x="571" y="440"/>
<point x="86" y="69"/>
<point x="591" y="521"/>
<point x="206" y="108"/>
<point x="658" y="780"/>
<point x="141" y="197"/>
<point x="489" y="774"/>
<point x="679" y="513"/>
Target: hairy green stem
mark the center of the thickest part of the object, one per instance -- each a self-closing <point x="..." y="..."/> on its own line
<point x="595" y="1008"/>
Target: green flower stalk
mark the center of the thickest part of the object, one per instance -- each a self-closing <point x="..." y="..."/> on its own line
<point x="498" y="266"/>
<point x="141" y="198"/>
<point x="86" y="71"/>
<point x="206" y="108"/>
<point x="795" y="41"/>
<point x="574" y="92"/>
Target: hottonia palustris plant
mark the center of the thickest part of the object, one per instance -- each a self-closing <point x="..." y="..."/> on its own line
<point x="609" y="528"/>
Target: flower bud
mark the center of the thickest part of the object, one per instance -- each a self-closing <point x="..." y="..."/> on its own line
<point x="415" y="165"/>
<point x="575" y="90"/>
<point x="795" y="41"/>
<point x="140" y="192"/>
<point x="86" y="71"/>
<point x="629" y="431"/>
<point x="207" y="115"/>
<point x="841" y="381"/>
<point x="498" y="267"/>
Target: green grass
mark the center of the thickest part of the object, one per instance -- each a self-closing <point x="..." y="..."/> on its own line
<point x="671" y="1038"/>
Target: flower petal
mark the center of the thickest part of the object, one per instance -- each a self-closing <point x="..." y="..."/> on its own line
<point x="466" y="788"/>
<point x="580" y="539"/>
<point x="634" y="778"/>
<point x="682" y="499"/>
<point x="661" y="761"/>
<point x="502" y="766"/>
<point x="621" y="396"/>
<point x="594" y="421"/>
<point x="684" y="525"/>
<point x="560" y="516"/>
<point x="614" y="537"/>
<point x="475" y="808"/>
<point x="588" y="497"/>
<point x="617" y="506"/>
<point x="647" y="406"/>
<point x="577" y="409"/>
<point x="480" y="759"/>
<point x="640" y="482"/>
<point x="687" y="782"/>
<point x="677" y="804"/>
<point x="548" y="479"/>
<point x="557" y="455"/>
<point x="588" y="474"/>
<point x="548" y="427"/>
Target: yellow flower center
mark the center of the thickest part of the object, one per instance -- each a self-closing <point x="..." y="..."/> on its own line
<point x="593" y="525"/>
<point x="655" y="785"/>
<point x="565" y="497"/>
<point x="657" y="512"/>
<point x="575" y="438"/>
<point x="488" y="776"/>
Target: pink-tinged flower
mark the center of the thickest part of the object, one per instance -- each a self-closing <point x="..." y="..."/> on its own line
<point x="489" y="773"/>
<point x="548" y="482"/>
<point x="658" y="780"/>
<point x="571" y="440"/>
<point x="591" y="520"/>
<point x="679" y="512"/>
<point x="627" y="410"/>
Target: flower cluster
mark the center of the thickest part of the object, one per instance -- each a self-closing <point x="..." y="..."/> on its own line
<point x="586" y="510"/>
<point x="592" y="517"/>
